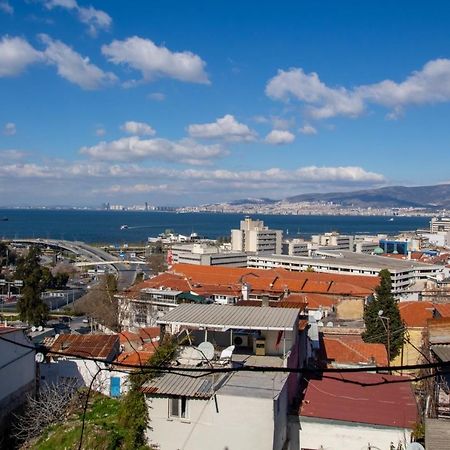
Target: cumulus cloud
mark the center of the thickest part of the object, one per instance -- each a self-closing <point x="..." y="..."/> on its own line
<point x="429" y="85"/>
<point x="9" y="129"/>
<point x="94" y="19"/>
<point x="100" y="131"/>
<point x="279" y="137"/>
<point x="307" y="129"/>
<point x="11" y="155"/>
<point x="15" y="55"/>
<point x="73" y="67"/>
<point x="226" y="128"/>
<point x="138" y="128"/>
<point x="153" y="61"/>
<point x="6" y="7"/>
<point x="133" y="148"/>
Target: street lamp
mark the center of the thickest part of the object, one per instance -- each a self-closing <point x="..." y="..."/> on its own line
<point x="387" y="327"/>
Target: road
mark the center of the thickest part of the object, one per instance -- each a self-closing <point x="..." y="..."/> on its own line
<point x="126" y="273"/>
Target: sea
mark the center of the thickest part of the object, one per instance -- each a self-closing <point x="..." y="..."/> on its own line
<point x="105" y="226"/>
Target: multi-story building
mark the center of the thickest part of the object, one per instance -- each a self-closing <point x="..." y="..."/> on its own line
<point x="296" y="247"/>
<point x="333" y="239"/>
<point x="406" y="275"/>
<point x="207" y="255"/>
<point x="440" y="224"/>
<point x="253" y="236"/>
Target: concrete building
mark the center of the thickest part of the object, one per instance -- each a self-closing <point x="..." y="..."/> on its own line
<point x="296" y="247"/>
<point x="333" y="239"/>
<point x="233" y="410"/>
<point x="207" y="255"/>
<point x="68" y="363"/>
<point x="18" y="369"/>
<point x="253" y="236"/>
<point x="350" y="411"/>
<point x="406" y="275"/>
<point x="440" y="224"/>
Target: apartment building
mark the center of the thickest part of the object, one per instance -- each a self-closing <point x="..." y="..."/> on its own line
<point x="253" y="236"/>
<point x="440" y="224"/>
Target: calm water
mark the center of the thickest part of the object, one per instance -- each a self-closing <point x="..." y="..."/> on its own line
<point x="104" y="226"/>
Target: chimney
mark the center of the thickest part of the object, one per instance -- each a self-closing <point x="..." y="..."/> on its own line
<point x="265" y="301"/>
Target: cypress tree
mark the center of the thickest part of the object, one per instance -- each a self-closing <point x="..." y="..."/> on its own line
<point x="31" y="307"/>
<point x="375" y="330"/>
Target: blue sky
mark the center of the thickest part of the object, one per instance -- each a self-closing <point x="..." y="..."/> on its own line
<point x="176" y="102"/>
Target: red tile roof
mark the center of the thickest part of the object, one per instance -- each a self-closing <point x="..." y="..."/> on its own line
<point x="101" y="346"/>
<point x="346" y="397"/>
<point x="443" y="309"/>
<point x="213" y="279"/>
<point x="415" y="314"/>
<point x="353" y="350"/>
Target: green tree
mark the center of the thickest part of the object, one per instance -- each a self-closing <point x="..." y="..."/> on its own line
<point x="31" y="307"/>
<point x="376" y="331"/>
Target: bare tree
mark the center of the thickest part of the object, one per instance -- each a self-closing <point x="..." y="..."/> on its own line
<point x="50" y="406"/>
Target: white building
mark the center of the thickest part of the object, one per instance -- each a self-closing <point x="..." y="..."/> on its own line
<point x="333" y="239"/>
<point x="237" y="410"/>
<point x="253" y="236"/>
<point x="406" y="275"/>
<point x="296" y="247"/>
<point x="440" y="224"/>
<point x="353" y="411"/>
<point x="67" y="363"/>
<point x="207" y="255"/>
<point x="18" y="370"/>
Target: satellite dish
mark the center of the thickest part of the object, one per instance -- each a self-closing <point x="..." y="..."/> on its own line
<point x="320" y="323"/>
<point x="414" y="446"/>
<point x="318" y="314"/>
<point x="207" y="350"/>
<point x="330" y="324"/>
<point x="39" y="358"/>
<point x="33" y="329"/>
<point x="40" y="328"/>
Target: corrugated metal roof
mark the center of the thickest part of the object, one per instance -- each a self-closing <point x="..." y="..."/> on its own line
<point x="437" y="434"/>
<point x="227" y="316"/>
<point x="442" y="352"/>
<point x="362" y="398"/>
<point x="182" y="383"/>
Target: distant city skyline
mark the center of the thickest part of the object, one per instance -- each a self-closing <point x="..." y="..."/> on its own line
<point x="176" y="103"/>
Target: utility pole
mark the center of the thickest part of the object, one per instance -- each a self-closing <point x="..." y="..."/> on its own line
<point x="387" y="327"/>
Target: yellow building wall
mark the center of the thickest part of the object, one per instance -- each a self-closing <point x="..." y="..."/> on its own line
<point x="350" y="309"/>
<point x="410" y="354"/>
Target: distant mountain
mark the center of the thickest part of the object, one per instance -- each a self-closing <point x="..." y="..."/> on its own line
<point x="437" y="196"/>
<point x="253" y="201"/>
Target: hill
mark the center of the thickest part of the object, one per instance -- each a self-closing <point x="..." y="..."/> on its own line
<point x="437" y="197"/>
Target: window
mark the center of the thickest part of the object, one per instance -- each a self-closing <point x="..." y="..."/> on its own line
<point x="178" y="407"/>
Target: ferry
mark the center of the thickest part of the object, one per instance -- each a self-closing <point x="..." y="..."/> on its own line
<point x="124" y="227"/>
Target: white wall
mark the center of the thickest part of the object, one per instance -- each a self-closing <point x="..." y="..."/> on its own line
<point x="242" y="423"/>
<point x="82" y="372"/>
<point x="332" y="435"/>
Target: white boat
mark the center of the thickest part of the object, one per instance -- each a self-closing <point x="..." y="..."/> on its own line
<point x="124" y="227"/>
<point x="391" y="219"/>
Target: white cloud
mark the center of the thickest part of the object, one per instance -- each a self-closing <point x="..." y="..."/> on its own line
<point x="138" y="128"/>
<point x="95" y="19"/>
<point x="134" y="149"/>
<point x="279" y="137"/>
<point x="153" y="61"/>
<point x="307" y="129"/>
<point x="9" y="129"/>
<point x="15" y="55"/>
<point x="6" y="7"/>
<point x="11" y="155"/>
<point x="429" y="85"/>
<point x="100" y="131"/>
<point x="226" y="128"/>
<point x="73" y="67"/>
<point x="141" y="188"/>
<point x="157" y="96"/>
